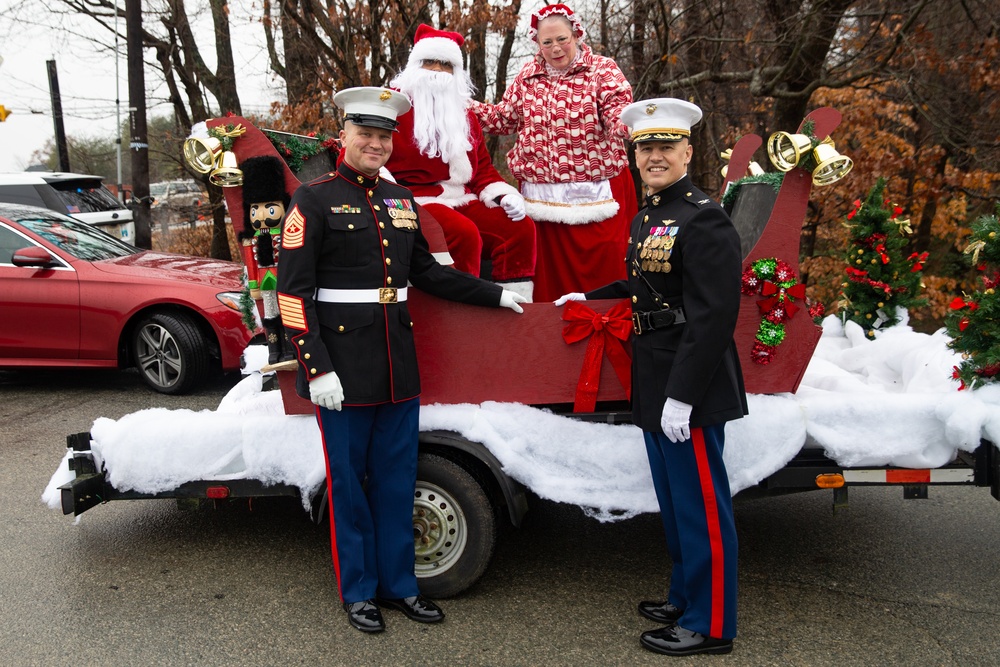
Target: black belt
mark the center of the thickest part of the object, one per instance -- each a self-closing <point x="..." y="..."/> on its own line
<point x="656" y="319"/>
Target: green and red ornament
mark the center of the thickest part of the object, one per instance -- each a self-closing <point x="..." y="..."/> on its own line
<point x="774" y="279"/>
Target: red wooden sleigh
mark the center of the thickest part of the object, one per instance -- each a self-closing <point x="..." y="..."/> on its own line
<point x="469" y="354"/>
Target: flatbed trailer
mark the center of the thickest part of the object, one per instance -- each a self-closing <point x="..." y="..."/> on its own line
<point x="462" y="490"/>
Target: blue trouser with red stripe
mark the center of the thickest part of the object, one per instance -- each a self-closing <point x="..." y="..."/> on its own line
<point x="692" y="488"/>
<point x="371" y="527"/>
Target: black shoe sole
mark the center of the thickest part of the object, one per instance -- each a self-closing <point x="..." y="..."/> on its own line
<point x="387" y="604"/>
<point x="365" y="629"/>
<point x="659" y="619"/>
<point x="714" y="649"/>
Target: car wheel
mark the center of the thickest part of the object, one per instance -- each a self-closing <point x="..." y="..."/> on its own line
<point x="454" y="527"/>
<point x="170" y="352"/>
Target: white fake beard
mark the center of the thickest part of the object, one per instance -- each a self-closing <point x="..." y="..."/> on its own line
<point x="440" y="119"/>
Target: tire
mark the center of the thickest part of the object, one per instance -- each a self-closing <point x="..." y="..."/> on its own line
<point x="170" y="352"/>
<point x="454" y="528"/>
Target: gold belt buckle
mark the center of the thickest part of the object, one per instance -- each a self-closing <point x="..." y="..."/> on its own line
<point x="387" y="295"/>
<point x="636" y="326"/>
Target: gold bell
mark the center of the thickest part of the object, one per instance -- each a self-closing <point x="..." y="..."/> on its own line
<point x="726" y="156"/>
<point x="785" y="150"/>
<point x="228" y="174"/>
<point x="202" y="154"/>
<point x="831" y="166"/>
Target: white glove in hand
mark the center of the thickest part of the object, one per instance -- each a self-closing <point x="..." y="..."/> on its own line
<point x="676" y="420"/>
<point x="513" y="206"/>
<point x="572" y="296"/>
<point x="510" y="300"/>
<point x="326" y="391"/>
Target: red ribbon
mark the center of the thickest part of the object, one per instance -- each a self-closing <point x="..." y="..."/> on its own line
<point x="608" y="334"/>
<point x="782" y="294"/>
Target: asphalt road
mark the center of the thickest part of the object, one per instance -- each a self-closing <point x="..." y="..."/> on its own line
<point x="889" y="582"/>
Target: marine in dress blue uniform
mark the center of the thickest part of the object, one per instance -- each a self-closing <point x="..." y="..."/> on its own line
<point x="684" y="283"/>
<point x="351" y="243"/>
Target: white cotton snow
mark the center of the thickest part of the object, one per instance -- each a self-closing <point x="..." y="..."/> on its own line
<point x="887" y="401"/>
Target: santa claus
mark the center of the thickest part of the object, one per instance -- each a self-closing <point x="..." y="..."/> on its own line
<point x="440" y="154"/>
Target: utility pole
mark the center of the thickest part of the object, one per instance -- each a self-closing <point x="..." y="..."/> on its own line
<point x="138" y="142"/>
<point x="57" y="116"/>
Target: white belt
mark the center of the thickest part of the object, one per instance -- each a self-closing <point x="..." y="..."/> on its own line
<point x="376" y="295"/>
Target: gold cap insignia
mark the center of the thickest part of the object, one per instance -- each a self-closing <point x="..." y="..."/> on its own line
<point x="650" y="109"/>
<point x="385" y="95"/>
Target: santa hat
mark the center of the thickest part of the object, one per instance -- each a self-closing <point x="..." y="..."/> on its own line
<point x="432" y="44"/>
<point x="554" y="10"/>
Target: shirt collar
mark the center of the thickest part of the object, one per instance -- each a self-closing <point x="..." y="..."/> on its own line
<point x="670" y="193"/>
<point x="351" y="175"/>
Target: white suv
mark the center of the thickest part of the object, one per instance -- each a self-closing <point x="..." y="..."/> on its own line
<point x="177" y="201"/>
<point x="80" y="196"/>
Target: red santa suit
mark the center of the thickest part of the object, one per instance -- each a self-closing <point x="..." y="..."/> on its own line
<point x="463" y="197"/>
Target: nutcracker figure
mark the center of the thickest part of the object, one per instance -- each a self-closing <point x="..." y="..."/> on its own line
<point x="264" y="203"/>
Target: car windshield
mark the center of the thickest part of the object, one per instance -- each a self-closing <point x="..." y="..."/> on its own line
<point x="158" y="189"/>
<point x="76" y="238"/>
<point x="86" y="197"/>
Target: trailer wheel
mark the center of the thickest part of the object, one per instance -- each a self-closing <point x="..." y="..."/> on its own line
<point x="170" y="352"/>
<point x="454" y="527"/>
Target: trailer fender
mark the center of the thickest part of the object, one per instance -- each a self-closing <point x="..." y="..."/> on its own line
<point x="514" y="495"/>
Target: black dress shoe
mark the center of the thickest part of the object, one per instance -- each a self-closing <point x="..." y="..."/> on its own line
<point x="365" y="616"/>
<point x="661" y="612"/>
<point x="416" y="608"/>
<point x="675" y="640"/>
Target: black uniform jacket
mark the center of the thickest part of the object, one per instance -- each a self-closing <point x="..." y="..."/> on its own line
<point x="687" y="248"/>
<point x="346" y="230"/>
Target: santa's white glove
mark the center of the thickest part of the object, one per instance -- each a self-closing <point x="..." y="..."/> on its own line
<point x="326" y="391"/>
<point x="572" y="296"/>
<point x="513" y="206"/>
<point x="676" y="420"/>
<point x="510" y="300"/>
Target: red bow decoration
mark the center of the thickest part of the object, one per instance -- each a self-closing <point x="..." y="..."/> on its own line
<point x="781" y="295"/>
<point x="608" y="334"/>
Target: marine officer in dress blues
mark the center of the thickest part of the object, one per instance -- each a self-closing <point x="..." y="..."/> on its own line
<point x="684" y="283"/>
<point x="351" y="243"/>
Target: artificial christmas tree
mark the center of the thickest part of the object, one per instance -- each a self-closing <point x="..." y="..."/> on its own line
<point x="881" y="277"/>
<point x="974" y="321"/>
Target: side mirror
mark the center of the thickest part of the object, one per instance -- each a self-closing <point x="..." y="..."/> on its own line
<point x="33" y="257"/>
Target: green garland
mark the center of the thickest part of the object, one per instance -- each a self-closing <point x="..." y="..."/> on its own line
<point x="772" y="178"/>
<point x="295" y="150"/>
<point x="248" y="310"/>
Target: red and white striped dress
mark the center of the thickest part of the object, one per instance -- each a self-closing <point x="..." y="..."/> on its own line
<point x="570" y="148"/>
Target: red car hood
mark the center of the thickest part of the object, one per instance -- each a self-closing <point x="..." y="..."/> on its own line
<point x="150" y="264"/>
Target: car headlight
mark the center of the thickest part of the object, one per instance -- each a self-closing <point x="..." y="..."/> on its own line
<point x="230" y="300"/>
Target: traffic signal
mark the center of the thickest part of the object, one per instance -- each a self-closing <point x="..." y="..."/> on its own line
<point x="4" y="112"/>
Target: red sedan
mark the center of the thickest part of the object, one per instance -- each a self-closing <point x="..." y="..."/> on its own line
<point x="72" y="296"/>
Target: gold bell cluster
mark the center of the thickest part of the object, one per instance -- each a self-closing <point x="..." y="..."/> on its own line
<point x="214" y="156"/>
<point x="788" y="151"/>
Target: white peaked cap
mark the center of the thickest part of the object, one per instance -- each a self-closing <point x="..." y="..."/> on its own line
<point x="660" y="119"/>
<point x="372" y="106"/>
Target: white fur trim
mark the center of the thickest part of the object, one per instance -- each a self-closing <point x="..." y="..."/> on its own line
<point x="525" y="288"/>
<point x="437" y="48"/>
<point x="459" y="168"/>
<point x="494" y="190"/>
<point x="570" y="214"/>
<point x="452" y="196"/>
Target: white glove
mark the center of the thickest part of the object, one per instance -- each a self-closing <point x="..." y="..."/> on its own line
<point x="513" y="206"/>
<point x="572" y="296"/>
<point x="676" y="420"/>
<point x="327" y="391"/>
<point x="510" y="300"/>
